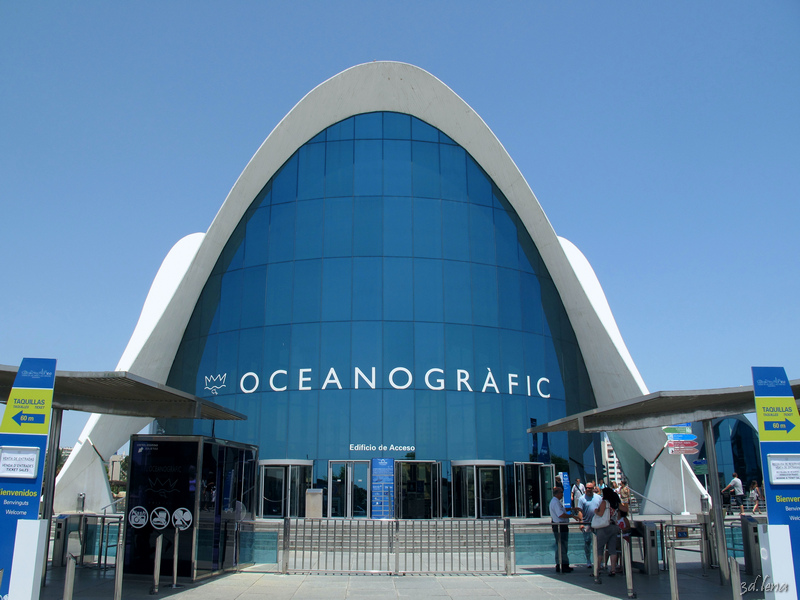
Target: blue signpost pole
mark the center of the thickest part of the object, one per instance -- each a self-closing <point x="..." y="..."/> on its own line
<point x="23" y="444"/>
<point x="779" y="437"/>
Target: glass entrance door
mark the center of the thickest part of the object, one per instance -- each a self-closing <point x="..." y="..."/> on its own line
<point x="348" y="488"/>
<point x="419" y="489"/>
<point x="273" y="505"/>
<point x="528" y="490"/>
<point x="491" y="488"/>
<point x="478" y="489"/>
<point x="283" y="489"/>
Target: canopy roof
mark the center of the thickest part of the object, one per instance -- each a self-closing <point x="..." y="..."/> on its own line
<point x="122" y="393"/>
<point x="661" y="409"/>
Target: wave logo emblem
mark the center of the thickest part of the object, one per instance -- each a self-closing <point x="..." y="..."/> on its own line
<point x="214" y="383"/>
<point x="41" y="373"/>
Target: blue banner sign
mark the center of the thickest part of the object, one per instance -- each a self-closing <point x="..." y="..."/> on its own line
<point x="776" y="410"/>
<point x="683" y="437"/>
<point x="567" y="487"/>
<point x="383" y="488"/>
<point x="23" y="445"/>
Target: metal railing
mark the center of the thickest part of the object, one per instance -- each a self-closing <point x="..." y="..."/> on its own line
<point x="396" y="546"/>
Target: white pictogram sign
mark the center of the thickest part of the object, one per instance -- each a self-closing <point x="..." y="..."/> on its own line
<point x="182" y="519"/>
<point x="138" y="517"/>
<point x="159" y="518"/>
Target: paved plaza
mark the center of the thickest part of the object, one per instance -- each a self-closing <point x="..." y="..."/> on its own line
<point x="542" y="582"/>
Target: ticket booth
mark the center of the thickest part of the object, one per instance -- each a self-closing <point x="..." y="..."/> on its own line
<point x="194" y="488"/>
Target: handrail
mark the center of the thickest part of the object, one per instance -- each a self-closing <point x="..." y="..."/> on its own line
<point x="107" y="506"/>
<point x="643" y="497"/>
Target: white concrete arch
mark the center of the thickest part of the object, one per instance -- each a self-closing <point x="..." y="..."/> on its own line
<point x="403" y="88"/>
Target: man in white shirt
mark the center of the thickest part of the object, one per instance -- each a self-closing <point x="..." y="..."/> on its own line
<point x="578" y="490"/>
<point x="738" y="492"/>
<point x="560" y="519"/>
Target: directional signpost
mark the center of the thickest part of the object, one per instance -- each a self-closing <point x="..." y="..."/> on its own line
<point x="779" y="436"/>
<point x="680" y="439"/>
<point x="23" y="445"/>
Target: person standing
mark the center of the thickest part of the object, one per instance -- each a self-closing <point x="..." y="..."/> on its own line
<point x="625" y="493"/>
<point x="560" y="520"/>
<point x="578" y="490"/>
<point x="587" y="504"/>
<point x="738" y="492"/>
<point x="755" y="496"/>
<point x="607" y="531"/>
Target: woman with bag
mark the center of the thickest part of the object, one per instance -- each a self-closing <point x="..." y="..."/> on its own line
<point x="604" y="524"/>
<point x="755" y="496"/>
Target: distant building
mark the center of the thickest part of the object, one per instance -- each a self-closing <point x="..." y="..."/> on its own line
<point x="613" y="469"/>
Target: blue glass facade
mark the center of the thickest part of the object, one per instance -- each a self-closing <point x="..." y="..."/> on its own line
<point x="380" y="298"/>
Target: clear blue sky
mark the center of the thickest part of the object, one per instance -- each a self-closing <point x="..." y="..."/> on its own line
<point x="663" y="139"/>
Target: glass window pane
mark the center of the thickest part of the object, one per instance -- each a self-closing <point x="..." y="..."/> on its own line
<point x="423" y="132"/>
<point x="335" y="354"/>
<point x="307" y="292"/>
<point x="367" y="287"/>
<point x="254" y="297"/>
<point x="281" y="239"/>
<point x="428" y="293"/>
<point x="396" y="168"/>
<point x="368" y="227"/>
<point x="481" y="235"/>
<point x="343" y="130"/>
<point x="396" y="126"/>
<point x="428" y="353"/>
<point x="397" y="226"/>
<point x="454" y="173"/>
<point x="368" y="168"/>
<point x="479" y="186"/>
<point x="457" y="292"/>
<point x="398" y="298"/>
<point x="284" y="185"/>
<point x="337" y="281"/>
<point x="311" y="175"/>
<point x="398" y="347"/>
<point x="506" y="239"/>
<point x="425" y="169"/>
<point x="369" y="126"/>
<point x="427" y="228"/>
<point x="509" y="299"/>
<point x="257" y="234"/>
<point x="279" y="295"/>
<point x="231" y="305"/>
<point x="303" y="424"/>
<point x="461" y="426"/>
<point x="308" y="242"/>
<point x="338" y="227"/>
<point x="339" y="169"/>
<point x="484" y="295"/>
<point x="455" y="233"/>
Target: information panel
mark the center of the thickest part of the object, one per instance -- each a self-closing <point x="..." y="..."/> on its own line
<point x="23" y="445"/>
<point x="776" y="410"/>
<point x="383" y="488"/>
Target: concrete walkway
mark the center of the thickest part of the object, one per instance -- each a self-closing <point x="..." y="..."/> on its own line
<point x="93" y="584"/>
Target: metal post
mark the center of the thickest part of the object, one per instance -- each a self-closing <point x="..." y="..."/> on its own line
<point x="673" y="572"/>
<point x="175" y="559"/>
<point x="286" y="533"/>
<point x="510" y="568"/>
<point x="396" y="549"/>
<point x="69" y="579"/>
<point x="119" y="561"/>
<point x="736" y="578"/>
<point x="49" y="483"/>
<point x="157" y="564"/>
<point x="596" y="561"/>
<point x="717" y="519"/>
<point x="626" y="564"/>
